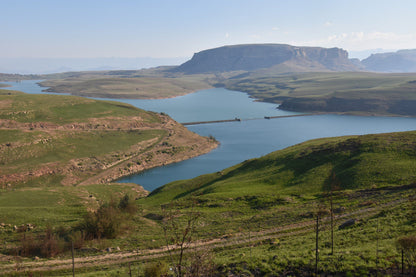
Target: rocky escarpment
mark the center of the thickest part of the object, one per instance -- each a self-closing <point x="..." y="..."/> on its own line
<point x="252" y="57"/>
<point x="400" y="61"/>
<point x="344" y="105"/>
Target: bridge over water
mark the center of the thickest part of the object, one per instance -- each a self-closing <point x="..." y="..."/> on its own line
<point x="238" y="119"/>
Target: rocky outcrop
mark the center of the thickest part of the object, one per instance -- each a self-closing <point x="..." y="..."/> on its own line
<point x="400" y="61"/>
<point x="251" y="57"/>
<point x="345" y="105"/>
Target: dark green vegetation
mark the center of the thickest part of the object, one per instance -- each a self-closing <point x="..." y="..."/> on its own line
<point x="58" y="155"/>
<point x="56" y="150"/>
<point x="346" y="92"/>
<point x="266" y="207"/>
<point x="258" y="218"/>
<point x="364" y="162"/>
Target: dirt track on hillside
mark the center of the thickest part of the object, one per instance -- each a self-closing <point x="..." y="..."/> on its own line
<point x="144" y="155"/>
<point x="238" y="239"/>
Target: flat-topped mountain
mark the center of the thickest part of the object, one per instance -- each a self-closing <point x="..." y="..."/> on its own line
<point x="400" y="61"/>
<point x="278" y="57"/>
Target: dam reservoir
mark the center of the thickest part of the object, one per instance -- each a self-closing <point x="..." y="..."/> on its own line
<point x="251" y="137"/>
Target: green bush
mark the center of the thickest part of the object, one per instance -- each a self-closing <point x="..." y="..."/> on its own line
<point x="103" y="223"/>
<point x="156" y="269"/>
<point x="127" y="205"/>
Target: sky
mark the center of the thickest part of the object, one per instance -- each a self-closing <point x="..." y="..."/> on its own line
<point x="179" y="28"/>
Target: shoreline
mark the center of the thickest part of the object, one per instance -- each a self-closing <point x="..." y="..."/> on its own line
<point x="113" y="97"/>
<point x="175" y="145"/>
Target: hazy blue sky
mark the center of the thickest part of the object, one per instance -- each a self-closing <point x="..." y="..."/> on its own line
<point x="178" y="28"/>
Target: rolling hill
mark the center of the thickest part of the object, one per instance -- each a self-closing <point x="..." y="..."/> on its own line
<point x="68" y="140"/>
<point x="359" y="162"/>
<point x="256" y="218"/>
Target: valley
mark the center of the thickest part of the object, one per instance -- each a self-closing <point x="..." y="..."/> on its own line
<point x="336" y="198"/>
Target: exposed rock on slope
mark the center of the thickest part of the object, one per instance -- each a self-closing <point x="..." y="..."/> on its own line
<point x="400" y="61"/>
<point x="251" y="57"/>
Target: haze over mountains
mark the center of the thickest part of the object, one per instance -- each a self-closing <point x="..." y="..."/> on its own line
<point x="282" y="58"/>
<point x="400" y="61"/>
<point x="58" y="65"/>
<point x="278" y="57"/>
<point x="266" y="58"/>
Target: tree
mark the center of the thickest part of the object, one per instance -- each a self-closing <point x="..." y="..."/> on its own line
<point x="334" y="185"/>
<point x="126" y="204"/>
<point x="407" y="245"/>
<point x="103" y="223"/>
<point x="179" y="229"/>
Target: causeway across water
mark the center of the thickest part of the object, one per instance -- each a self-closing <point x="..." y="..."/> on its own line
<point x="238" y="119"/>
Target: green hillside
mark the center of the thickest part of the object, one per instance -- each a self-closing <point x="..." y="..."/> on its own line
<point x="254" y="219"/>
<point x="263" y="211"/>
<point x="70" y="140"/>
<point x="26" y="108"/>
<point x="358" y="162"/>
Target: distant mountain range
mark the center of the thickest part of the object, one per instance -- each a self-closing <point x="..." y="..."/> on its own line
<point x="261" y="59"/>
<point x="400" y="61"/>
<point x="278" y="57"/>
<point x="59" y="65"/>
<point x="283" y="58"/>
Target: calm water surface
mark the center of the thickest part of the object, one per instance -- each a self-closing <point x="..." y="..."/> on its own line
<point x="208" y="105"/>
<point x="28" y="86"/>
<point x="246" y="139"/>
<point x="254" y="138"/>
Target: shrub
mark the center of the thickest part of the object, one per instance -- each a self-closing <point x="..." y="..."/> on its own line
<point x="45" y="245"/>
<point x="127" y="205"/>
<point x="103" y="223"/>
<point x="29" y="246"/>
<point x="78" y="238"/>
<point x="51" y="244"/>
<point x="408" y="245"/>
<point x="156" y="269"/>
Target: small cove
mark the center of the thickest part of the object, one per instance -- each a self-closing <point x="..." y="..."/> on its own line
<point x="240" y="140"/>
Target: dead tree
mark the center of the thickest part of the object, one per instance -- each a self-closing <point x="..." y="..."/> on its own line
<point x="179" y="230"/>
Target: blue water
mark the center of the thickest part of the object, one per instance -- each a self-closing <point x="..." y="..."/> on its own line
<point x="204" y="105"/>
<point x="28" y="86"/>
<point x="246" y="139"/>
<point x="254" y="138"/>
<point x="208" y="105"/>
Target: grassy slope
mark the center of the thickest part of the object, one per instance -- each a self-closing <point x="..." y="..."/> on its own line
<point x="73" y="139"/>
<point x="358" y="162"/>
<point x="289" y="186"/>
<point x="334" y="92"/>
<point x="26" y="108"/>
<point x="27" y="146"/>
<point x="244" y="205"/>
<point x="146" y="84"/>
<point x="57" y="151"/>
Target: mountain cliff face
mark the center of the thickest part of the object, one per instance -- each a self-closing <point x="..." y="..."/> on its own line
<point x="400" y="61"/>
<point x="251" y="57"/>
